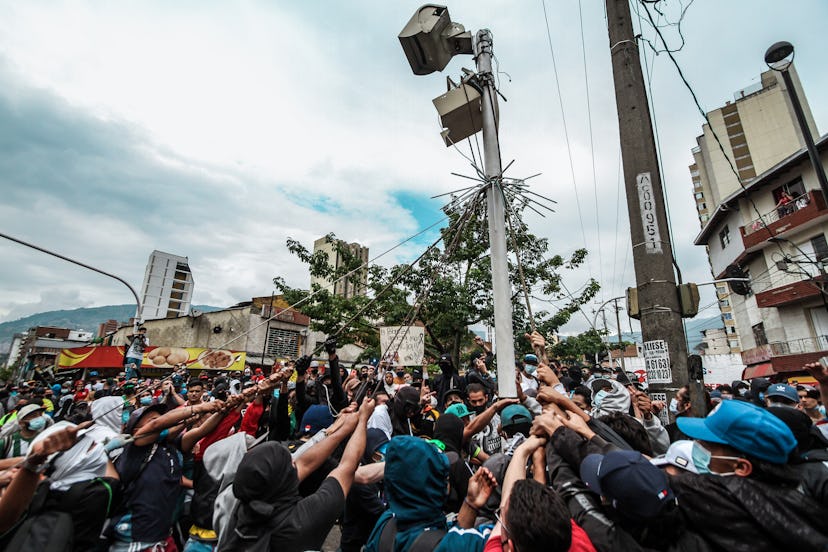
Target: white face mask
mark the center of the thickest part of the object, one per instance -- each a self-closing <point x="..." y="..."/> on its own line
<point x="599" y="398"/>
<point x="674" y="405"/>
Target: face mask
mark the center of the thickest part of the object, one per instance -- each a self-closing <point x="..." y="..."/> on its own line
<point x="478" y="409"/>
<point x="531" y="369"/>
<point x="124" y="416"/>
<point x="599" y="397"/>
<point x="37" y="424"/>
<point x="14" y="393"/>
<point x="146" y="401"/>
<point x="742" y="391"/>
<point x="673" y="406"/>
<point x="400" y="374"/>
<point x="702" y="457"/>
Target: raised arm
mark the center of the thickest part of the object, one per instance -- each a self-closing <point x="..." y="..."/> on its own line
<point x="193" y="436"/>
<point x="318" y="453"/>
<point x="344" y="473"/>
<point x="147" y="434"/>
<point x="517" y="466"/>
<point x="482" y="420"/>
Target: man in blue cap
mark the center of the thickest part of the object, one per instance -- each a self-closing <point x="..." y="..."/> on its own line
<point x="781" y="393"/>
<point x="527" y="372"/>
<point x="736" y="434"/>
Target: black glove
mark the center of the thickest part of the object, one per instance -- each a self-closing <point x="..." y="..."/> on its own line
<point x="330" y="345"/>
<point x="302" y="365"/>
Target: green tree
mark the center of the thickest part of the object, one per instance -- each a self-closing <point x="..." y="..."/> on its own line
<point x="447" y="291"/>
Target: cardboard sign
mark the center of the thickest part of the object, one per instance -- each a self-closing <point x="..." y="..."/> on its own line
<point x="402" y="345"/>
<point x="664" y="414"/>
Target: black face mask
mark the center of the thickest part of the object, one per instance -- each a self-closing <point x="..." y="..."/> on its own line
<point x="478" y="409"/>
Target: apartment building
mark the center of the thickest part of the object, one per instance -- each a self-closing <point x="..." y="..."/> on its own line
<point x="167" y="291"/>
<point x="756" y="132"/>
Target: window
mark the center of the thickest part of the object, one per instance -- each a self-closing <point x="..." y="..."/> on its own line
<point x="734" y="344"/>
<point x="704" y="218"/>
<point x="282" y="343"/>
<point x="699" y="195"/>
<point x="727" y="316"/>
<point x="759" y="334"/>
<point x="724" y="303"/>
<point x="820" y="247"/>
<point x="724" y="237"/>
<point x="731" y="329"/>
<point x="702" y="206"/>
<point x="795" y="188"/>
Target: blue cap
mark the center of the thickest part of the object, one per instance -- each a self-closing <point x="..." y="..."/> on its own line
<point x="745" y="427"/>
<point x="316" y="418"/>
<point x="515" y="414"/>
<point x="531" y="359"/>
<point x="636" y="487"/>
<point x="458" y="409"/>
<point x="783" y="391"/>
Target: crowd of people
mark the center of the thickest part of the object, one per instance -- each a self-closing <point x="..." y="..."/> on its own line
<point x="408" y="461"/>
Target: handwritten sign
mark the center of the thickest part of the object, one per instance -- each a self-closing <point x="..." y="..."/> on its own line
<point x="657" y="362"/>
<point x="649" y="218"/>
<point x="403" y="345"/>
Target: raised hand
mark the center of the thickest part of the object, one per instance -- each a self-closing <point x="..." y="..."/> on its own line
<point x="481" y="485"/>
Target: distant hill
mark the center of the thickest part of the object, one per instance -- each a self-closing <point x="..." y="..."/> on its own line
<point x="75" y="319"/>
<point x="693" y="328"/>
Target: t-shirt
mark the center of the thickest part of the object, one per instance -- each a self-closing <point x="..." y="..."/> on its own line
<point x="153" y="498"/>
<point x="488" y="438"/>
<point x="136" y="348"/>
<point x="313" y="516"/>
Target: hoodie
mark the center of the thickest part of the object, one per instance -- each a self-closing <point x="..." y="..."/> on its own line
<point x="416" y="473"/>
<point x="616" y="400"/>
<point x="106" y="413"/>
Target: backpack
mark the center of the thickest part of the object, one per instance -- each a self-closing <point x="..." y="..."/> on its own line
<point x="41" y="530"/>
<point x="425" y="541"/>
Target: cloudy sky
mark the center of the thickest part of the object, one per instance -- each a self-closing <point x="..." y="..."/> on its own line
<point x="216" y="130"/>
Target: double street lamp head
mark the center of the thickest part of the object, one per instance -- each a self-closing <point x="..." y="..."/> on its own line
<point x="780" y="56"/>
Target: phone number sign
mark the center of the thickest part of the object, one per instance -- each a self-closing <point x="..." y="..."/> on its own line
<point x="657" y="362"/>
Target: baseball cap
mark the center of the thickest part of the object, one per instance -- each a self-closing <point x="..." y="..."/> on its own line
<point x="783" y="391"/>
<point x="458" y="409"/>
<point x="531" y="359"/>
<point x="139" y="413"/>
<point x="745" y="427"/>
<point x="515" y="414"/>
<point x="636" y="487"/>
<point x="316" y="418"/>
<point x="680" y="455"/>
<point x="28" y="409"/>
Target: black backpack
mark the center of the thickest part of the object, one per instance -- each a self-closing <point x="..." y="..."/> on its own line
<point x="42" y="529"/>
<point x="425" y="541"/>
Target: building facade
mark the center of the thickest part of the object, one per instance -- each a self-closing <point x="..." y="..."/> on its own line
<point x="783" y="320"/>
<point x="758" y="130"/>
<point x="40" y="347"/>
<point x="357" y="284"/>
<point x="167" y="291"/>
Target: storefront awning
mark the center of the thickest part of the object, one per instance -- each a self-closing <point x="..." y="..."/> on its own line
<point x="762" y="370"/>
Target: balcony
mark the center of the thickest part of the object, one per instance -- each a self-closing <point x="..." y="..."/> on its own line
<point x="786" y="356"/>
<point x="803" y="209"/>
<point x="790" y="289"/>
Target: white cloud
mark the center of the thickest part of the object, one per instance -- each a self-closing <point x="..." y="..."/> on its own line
<point x="238" y="122"/>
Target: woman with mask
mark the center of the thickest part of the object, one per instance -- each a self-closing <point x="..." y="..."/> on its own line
<point x="31" y="420"/>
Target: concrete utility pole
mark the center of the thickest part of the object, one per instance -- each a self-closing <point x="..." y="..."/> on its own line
<point x="620" y="340"/>
<point x="501" y="289"/>
<point x="664" y="343"/>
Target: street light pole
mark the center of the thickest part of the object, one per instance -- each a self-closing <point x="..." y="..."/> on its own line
<point x="779" y="57"/>
<point x="501" y="289"/>
<point x="84" y="265"/>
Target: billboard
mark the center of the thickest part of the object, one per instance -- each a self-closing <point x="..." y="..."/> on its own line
<point x="194" y="358"/>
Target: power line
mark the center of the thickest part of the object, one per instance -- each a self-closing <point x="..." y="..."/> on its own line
<point x="566" y="134"/>
<point x="592" y="151"/>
